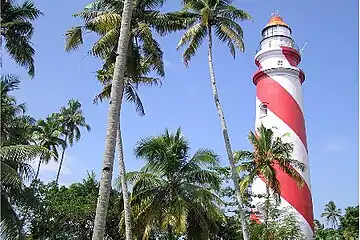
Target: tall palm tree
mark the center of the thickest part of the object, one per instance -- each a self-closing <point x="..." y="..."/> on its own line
<point x="71" y="119"/>
<point x="17" y="30"/>
<point x="173" y="192"/>
<point x="220" y="16"/>
<point x="48" y="135"/>
<point x="270" y="151"/>
<point x="15" y="172"/>
<point x="103" y="18"/>
<point x="332" y="214"/>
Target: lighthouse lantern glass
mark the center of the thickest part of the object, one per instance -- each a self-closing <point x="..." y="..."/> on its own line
<point x="276" y="36"/>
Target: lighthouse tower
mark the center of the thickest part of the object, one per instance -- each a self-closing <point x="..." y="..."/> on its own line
<point x="279" y="104"/>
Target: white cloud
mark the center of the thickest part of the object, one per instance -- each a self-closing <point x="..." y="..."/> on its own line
<point x="334" y="145"/>
<point x="49" y="171"/>
<point x="168" y="64"/>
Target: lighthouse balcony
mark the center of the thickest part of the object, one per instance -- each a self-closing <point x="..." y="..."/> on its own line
<point x="275" y="43"/>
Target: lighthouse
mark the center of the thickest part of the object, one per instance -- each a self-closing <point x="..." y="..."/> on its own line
<point x="279" y="105"/>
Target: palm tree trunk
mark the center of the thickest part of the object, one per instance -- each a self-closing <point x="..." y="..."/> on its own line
<point x="220" y="112"/>
<point x="113" y="121"/>
<point x="122" y="173"/>
<point x="61" y="162"/>
<point x="38" y="170"/>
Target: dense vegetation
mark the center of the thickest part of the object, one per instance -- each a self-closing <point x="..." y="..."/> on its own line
<point x="175" y="195"/>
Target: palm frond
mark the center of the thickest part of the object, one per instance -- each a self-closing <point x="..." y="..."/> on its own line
<point x="231" y="12"/>
<point x="227" y="34"/>
<point x="131" y="95"/>
<point x="73" y="38"/>
<point x="151" y="48"/>
<point x="21" y="50"/>
<point x="104" y="44"/>
<point x="104" y="23"/>
<point x="195" y="35"/>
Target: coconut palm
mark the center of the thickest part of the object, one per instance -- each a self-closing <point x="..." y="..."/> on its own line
<point x="332" y="214"/>
<point x="103" y="18"/>
<point x="71" y="119"/>
<point x="48" y="135"/>
<point x="221" y="17"/>
<point x="15" y="172"/>
<point x="173" y="192"/>
<point x="17" y="30"/>
<point x="270" y="152"/>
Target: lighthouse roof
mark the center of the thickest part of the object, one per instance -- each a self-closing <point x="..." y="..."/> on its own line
<point x="276" y="20"/>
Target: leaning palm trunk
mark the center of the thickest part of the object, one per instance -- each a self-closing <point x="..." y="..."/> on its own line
<point x="113" y="121"/>
<point x="61" y="162"/>
<point x="124" y="185"/>
<point x="220" y="112"/>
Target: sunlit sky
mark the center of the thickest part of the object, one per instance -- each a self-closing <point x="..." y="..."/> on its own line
<point x="329" y="60"/>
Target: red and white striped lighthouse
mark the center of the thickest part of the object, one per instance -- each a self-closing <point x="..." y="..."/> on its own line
<point x="279" y="104"/>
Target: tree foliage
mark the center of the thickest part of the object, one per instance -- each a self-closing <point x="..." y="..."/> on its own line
<point x="17" y="30"/>
<point x="175" y="194"/>
<point x="68" y="212"/>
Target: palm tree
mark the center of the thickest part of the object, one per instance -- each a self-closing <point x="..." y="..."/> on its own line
<point x="17" y="30"/>
<point x="71" y="119"/>
<point x="173" y="192"/>
<point x="332" y="214"/>
<point x="103" y="18"/>
<point x="221" y="16"/>
<point x="47" y="134"/>
<point x="15" y="172"/>
<point x="270" y="152"/>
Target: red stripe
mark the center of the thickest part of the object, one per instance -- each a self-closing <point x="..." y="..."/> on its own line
<point x="282" y="104"/>
<point x="291" y="55"/>
<point x="258" y="64"/>
<point x="297" y="197"/>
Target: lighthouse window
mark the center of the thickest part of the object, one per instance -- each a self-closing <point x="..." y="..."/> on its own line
<point x="263" y="110"/>
<point x="280" y="62"/>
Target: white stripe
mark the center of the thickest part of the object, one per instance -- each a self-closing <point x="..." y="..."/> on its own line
<point x="299" y="153"/>
<point x="259" y="187"/>
<point x="270" y="58"/>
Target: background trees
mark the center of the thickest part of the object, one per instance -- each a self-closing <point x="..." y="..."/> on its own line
<point x="332" y="214"/>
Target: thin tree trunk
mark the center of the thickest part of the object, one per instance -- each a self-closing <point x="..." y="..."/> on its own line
<point x="229" y="152"/>
<point x="38" y="170"/>
<point x="61" y="162"/>
<point x="122" y="173"/>
<point x="113" y="121"/>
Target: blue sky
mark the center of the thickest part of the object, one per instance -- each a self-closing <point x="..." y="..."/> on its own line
<point x="330" y="62"/>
